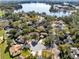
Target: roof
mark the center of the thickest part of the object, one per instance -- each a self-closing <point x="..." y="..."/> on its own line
<point x="38" y="47"/>
<point x="20" y="57"/>
<point x="15" y="50"/>
<point x="20" y="39"/>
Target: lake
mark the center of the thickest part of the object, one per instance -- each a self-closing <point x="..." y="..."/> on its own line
<point x="41" y="7"/>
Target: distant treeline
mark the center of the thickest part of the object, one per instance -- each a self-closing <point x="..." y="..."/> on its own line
<point x="11" y="6"/>
<point x="40" y="1"/>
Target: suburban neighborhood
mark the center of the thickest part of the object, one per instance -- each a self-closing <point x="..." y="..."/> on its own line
<point x="34" y="35"/>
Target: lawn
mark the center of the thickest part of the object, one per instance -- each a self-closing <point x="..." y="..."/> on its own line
<point x="46" y="54"/>
<point x="3" y="46"/>
<point x="4" y="55"/>
<point x="2" y="32"/>
<point x="25" y="53"/>
<point x="1" y="13"/>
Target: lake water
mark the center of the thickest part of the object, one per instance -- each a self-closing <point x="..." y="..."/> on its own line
<point x="41" y="7"/>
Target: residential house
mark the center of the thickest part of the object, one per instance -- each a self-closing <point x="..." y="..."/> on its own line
<point x="74" y="53"/>
<point x="15" y="50"/>
<point x="20" y="39"/>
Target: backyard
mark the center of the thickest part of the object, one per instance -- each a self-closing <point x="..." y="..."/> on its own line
<point x="3" y="46"/>
<point x="1" y="13"/>
<point x="3" y="55"/>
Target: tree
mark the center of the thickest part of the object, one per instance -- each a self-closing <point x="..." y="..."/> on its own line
<point x="49" y="40"/>
<point x="32" y="57"/>
<point x="65" y="51"/>
<point x="25" y="31"/>
<point x="16" y="24"/>
<point x="49" y="18"/>
<point x="12" y="33"/>
<point x="9" y="41"/>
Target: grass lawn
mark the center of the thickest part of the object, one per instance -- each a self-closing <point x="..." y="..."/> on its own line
<point x="25" y="53"/>
<point x="4" y="55"/>
<point x="46" y="54"/>
<point x="2" y="50"/>
<point x="3" y="46"/>
<point x="2" y="32"/>
<point x="1" y="13"/>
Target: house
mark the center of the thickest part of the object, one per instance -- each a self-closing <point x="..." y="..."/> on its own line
<point x="37" y="49"/>
<point x="40" y="28"/>
<point x="8" y="31"/>
<point x="74" y="53"/>
<point x="34" y="42"/>
<point x="7" y="27"/>
<point x="20" y="39"/>
<point x="55" y="51"/>
<point x="68" y="40"/>
<point x="15" y="50"/>
<point x="40" y="19"/>
<point x="59" y="25"/>
<point x="43" y="35"/>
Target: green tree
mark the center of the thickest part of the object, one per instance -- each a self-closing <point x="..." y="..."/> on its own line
<point x="65" y="51"/>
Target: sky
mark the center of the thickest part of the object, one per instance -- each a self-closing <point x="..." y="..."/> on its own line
<point x="39" y="0"/>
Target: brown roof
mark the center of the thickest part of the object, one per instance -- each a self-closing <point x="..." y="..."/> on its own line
<point x="15" y="49"/>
